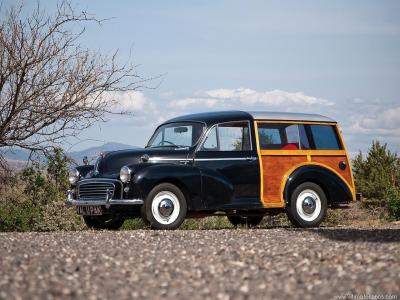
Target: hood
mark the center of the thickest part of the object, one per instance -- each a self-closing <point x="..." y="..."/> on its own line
<point x="111" y="163"/>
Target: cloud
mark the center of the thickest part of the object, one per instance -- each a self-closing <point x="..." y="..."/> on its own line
<point x="248" y="98"/>
<point x="190" y="102"/>
<point x="377" y="123"/>
<point x="274" y="97"/>
<point x="132" y="101"/>
<point x="388" y="119"/>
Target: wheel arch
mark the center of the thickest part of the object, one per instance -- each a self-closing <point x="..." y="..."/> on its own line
<point x="335" y="188"/>
<point x="186" y="178"/>
<point x="178" y="183"/>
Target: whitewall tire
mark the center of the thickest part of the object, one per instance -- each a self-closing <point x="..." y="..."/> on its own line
<point x="308" y="205"/>
<point x="165" y="207"/>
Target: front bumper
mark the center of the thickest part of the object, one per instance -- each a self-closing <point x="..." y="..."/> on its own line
<point x="106" y="202"/>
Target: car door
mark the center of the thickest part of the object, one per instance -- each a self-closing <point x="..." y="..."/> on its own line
<point x="229" y="167"/>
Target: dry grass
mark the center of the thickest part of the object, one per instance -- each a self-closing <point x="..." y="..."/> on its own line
<point x="354" y="216"/>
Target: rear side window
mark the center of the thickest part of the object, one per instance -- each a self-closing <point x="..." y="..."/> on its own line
<point x="324" y="137"/>
<point x="269" y="136"/>
<point x="282" y="137"/>
<point x="298" y="137"/>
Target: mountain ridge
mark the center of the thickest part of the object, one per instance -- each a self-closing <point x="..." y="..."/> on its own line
<point x="91" y="152"/>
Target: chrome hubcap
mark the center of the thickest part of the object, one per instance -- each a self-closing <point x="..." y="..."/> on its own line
<point x="308" y="205"/>
<point x="166" y="207"/>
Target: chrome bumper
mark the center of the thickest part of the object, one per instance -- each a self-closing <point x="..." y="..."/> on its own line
<point x="107" y="202"/>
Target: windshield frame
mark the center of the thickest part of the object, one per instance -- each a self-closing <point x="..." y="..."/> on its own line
<point x="153" y="136"/>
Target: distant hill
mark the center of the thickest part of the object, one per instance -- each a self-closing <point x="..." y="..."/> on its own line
<point x="16" y="154"/>
<point x="21" y="155"/>
<point x="17" y="165"/>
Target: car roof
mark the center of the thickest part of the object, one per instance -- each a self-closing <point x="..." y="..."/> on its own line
<point x="237" y="115"/>
<point x="288" y="116"/>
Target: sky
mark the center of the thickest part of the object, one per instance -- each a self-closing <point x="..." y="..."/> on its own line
<point x="336" y="58"/>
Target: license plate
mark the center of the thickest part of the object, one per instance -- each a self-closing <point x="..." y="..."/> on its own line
<point x="89" y="210"/>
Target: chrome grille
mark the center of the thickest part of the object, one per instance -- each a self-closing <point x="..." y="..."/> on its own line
<point x="95" y="190"/>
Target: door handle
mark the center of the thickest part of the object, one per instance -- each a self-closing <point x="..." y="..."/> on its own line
<point x="252" y="158"/>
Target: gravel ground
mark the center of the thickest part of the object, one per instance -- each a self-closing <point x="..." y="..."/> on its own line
<point x="277" y="263"/>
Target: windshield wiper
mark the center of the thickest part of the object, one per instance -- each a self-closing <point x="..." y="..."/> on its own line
<point x="169" y="146"/>
<point x="181" y="147"/>
<point x="164" y="146"/>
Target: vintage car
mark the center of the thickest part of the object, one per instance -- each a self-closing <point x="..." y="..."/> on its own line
<point x="240" y="164"/>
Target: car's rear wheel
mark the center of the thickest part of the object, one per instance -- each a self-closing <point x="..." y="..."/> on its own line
<point x="250" y="221"/>
<point x="165" y="207"/>
<point x="308" y="205"/>
<point x="103" y="222"/>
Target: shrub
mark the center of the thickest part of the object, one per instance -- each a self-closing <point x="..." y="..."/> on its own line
<point x="376" y="174"/>
<point x="36" y="200"/>
<point x="16" y="212"/>
<point x="57" y="216"/>
<point x="393" y="204"/>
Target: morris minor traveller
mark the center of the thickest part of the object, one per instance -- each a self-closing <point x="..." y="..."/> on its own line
<point x="240" y="164"/>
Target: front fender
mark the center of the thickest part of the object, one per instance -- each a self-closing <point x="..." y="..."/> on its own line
<point x="336" y="190"/>
<point x="187" y="178"/>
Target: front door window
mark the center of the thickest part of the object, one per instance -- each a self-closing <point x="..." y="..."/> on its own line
<point x="234" y="136"/>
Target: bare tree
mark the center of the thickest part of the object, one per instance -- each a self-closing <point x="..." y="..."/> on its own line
<point x="50" y="86"/>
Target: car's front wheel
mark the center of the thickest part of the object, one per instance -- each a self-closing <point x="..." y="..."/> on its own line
<point x="165" y="207"/>
<point x="308" y="205"/>
<point x="103" y="222"/>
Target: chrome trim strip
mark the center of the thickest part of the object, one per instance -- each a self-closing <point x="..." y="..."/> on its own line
<point x="98" y="180"/>
<point x="107" y="202"/>
<point x="226" y="158"/>
<point x="166" y="159"/>
<point x="103" y="202"/>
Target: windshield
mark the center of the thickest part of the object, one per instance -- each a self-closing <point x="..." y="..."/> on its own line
<point x="184" y="134"/>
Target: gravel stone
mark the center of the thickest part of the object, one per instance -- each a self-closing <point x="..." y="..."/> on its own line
<point x="279" y="263"/>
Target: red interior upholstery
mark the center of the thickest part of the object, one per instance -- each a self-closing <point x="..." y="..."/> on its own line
<point x="290" y="146"/>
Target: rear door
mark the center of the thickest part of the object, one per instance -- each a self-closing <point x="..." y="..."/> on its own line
<point x="229" y="167"/>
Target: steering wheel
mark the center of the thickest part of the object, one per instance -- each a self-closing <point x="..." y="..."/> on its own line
<point x="165" y="141"/>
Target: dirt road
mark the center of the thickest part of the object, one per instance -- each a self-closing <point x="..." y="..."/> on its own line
<point x="216" y="264"/>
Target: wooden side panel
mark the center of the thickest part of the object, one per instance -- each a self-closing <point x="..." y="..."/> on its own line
<point x="274" y="169"/>
<point x="333" y="162"/>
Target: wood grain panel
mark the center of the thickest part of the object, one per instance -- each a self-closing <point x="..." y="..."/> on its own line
<point x="274" y="169"/>
<point x="333" y="162"/>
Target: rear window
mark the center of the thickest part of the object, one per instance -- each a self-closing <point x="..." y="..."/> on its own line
<point x="297" y="137"/>
<point x="325" y="137"/>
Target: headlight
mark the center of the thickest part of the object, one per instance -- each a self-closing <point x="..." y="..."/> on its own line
<point x="125" y="174"/>
<point x="73" y="176"/>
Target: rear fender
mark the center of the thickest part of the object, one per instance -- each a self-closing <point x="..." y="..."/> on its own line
<point x="336" y="190"/>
